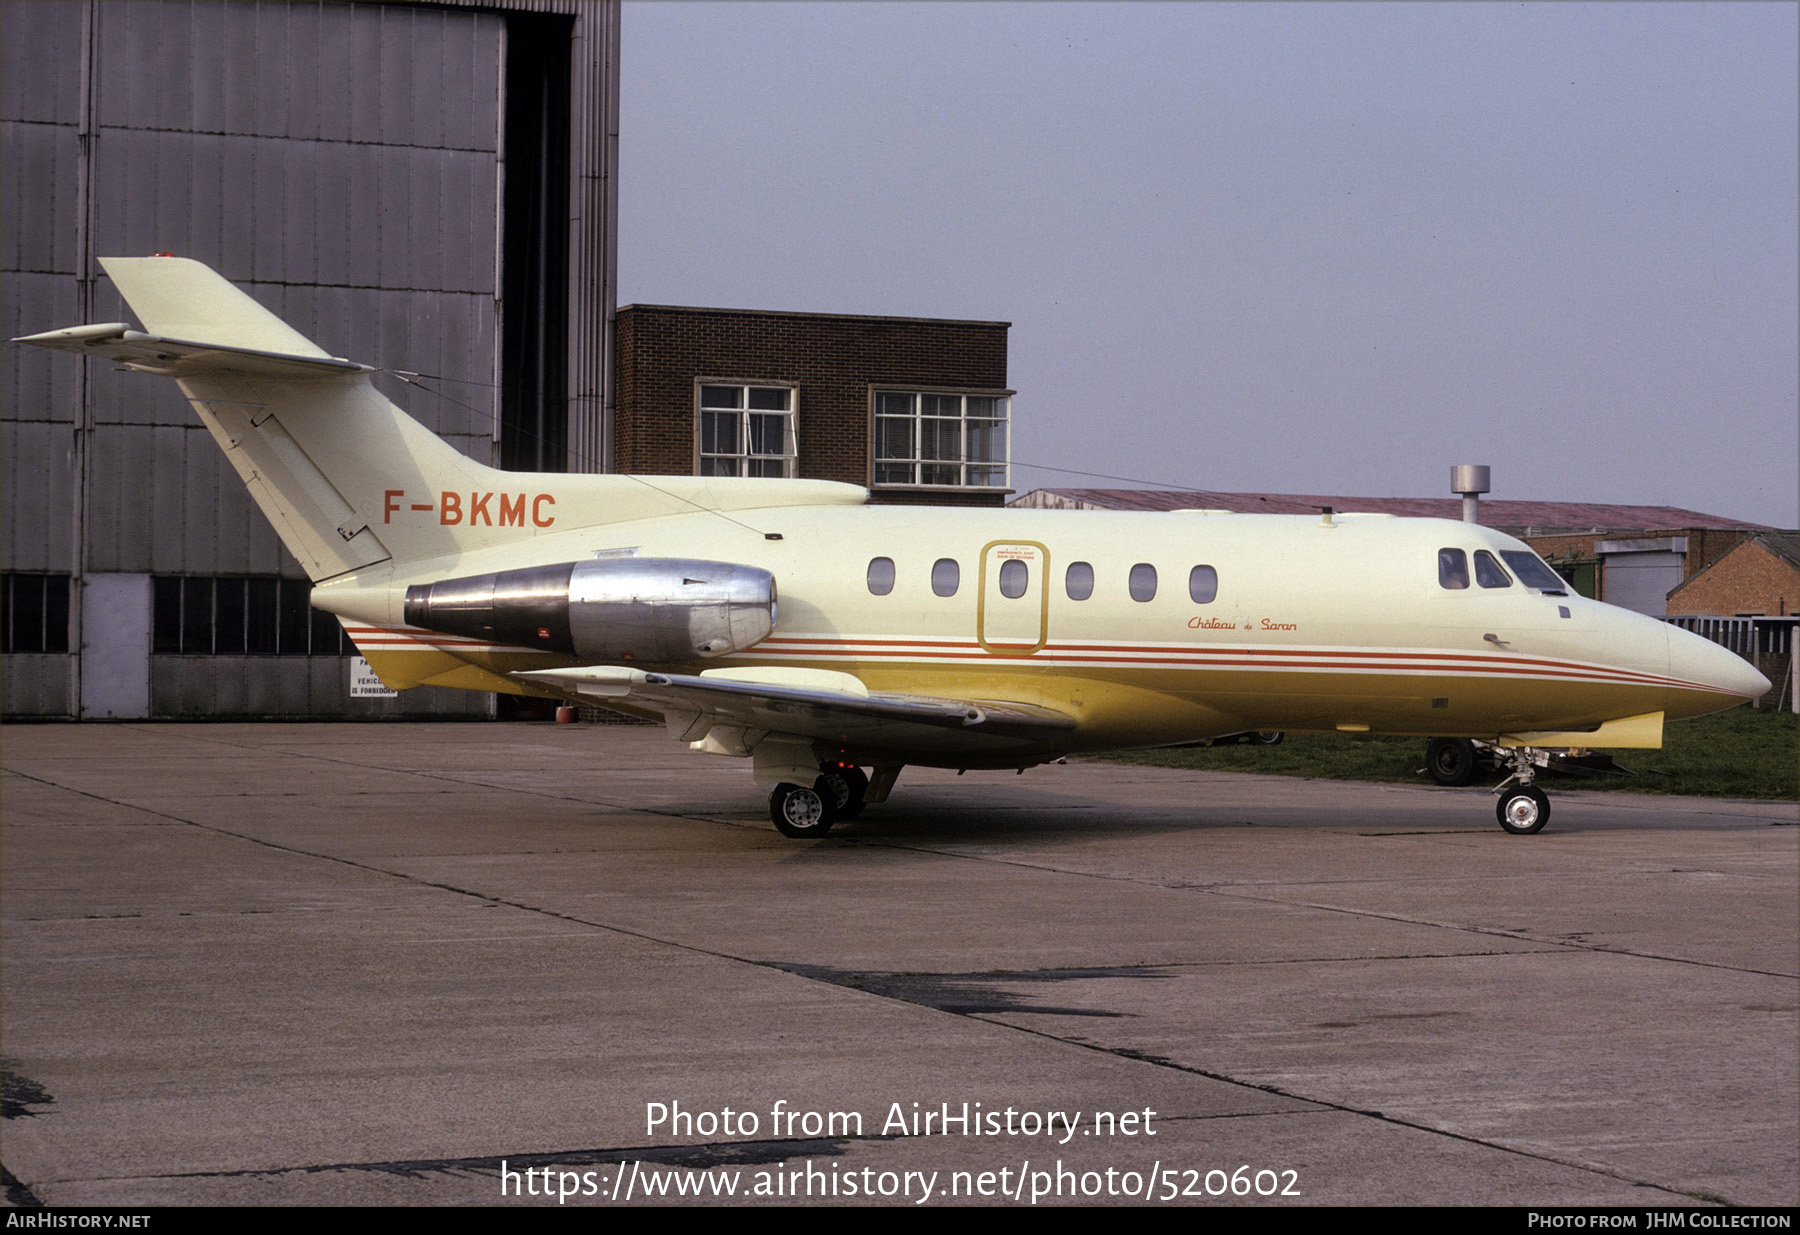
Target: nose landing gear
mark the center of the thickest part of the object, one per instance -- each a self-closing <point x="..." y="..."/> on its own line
<point x="1523" y="808"/>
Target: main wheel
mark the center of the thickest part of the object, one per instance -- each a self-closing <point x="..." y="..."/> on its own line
<point x="847" y="785"/>
<point x="802" y="812"/>
<point x="1523" y="810"/>
<point x="1267" y="737"/>
<point x="1450" y="761"/>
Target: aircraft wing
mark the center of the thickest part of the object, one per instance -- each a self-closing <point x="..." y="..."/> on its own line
<point x="729" y="710"/>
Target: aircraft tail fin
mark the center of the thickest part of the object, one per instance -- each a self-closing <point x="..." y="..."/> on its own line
<point x="178" y="298"/>
<point x="329" y="459"/>
<point x="348" y="479"/>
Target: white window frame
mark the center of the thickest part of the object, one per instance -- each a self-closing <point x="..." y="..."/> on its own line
<point x="886" y="470"/>
<point x="744" y="456"/>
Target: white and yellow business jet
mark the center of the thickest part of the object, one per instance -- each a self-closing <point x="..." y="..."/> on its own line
<point x="952" y="638"/>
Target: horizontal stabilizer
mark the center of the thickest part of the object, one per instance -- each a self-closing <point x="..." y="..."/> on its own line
<point x="116" y="342"/>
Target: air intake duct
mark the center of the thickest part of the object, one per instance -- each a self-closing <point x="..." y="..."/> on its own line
<point x="659" y="610"/>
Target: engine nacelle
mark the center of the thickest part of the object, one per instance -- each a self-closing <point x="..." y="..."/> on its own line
<point x="660" y="610"/>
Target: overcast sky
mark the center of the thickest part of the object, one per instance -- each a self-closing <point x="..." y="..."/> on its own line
<point x="1328" y="248"/>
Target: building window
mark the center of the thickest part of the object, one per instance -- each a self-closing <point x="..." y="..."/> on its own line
<point x="941" y="439"/>
<point x="234" y="615"/>
<point x="746" y="430"/>
<point x="34" y="610"/>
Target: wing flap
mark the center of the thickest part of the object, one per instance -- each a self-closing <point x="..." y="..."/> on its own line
<point x="813" y="707"/>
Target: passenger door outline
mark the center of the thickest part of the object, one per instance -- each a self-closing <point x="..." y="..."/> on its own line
<point x="1016" y="626"/>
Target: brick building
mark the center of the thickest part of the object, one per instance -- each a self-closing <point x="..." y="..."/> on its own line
<point x="915" y="409"/>
<point x="1759" y="577"/>
<point x="1635" y="567"/>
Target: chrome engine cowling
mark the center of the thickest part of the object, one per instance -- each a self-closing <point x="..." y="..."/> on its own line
<point x="660" y="610"/>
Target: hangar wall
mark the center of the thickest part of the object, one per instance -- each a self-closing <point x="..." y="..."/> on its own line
<point x="348" y="165"/>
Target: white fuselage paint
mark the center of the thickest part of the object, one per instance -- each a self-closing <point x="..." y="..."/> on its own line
<point x="1314" y="626"/>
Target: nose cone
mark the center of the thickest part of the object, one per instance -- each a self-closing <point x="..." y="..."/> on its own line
<point x="1704" y="668"/>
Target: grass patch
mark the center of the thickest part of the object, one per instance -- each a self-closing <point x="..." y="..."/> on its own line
<point x="1743" y="753"/>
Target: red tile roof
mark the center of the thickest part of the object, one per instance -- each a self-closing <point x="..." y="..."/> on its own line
<point x="1497" y="514"/>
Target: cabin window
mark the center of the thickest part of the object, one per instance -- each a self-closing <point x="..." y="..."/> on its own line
<point x="1488" y="572"/>
<point x="1203" y="585"/>
<point x="1079" y="581"/>
<point x="1533" y="573"/>
<point x="881" y="575"/>
<point x="1453" y="569"/>
<point x="746" y="430"/>
<point x="946" y="575"/>
<point x="1143" y="582"/>
<point x="1014" y="574"/>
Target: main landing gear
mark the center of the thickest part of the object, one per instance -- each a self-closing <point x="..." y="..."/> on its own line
<point x="848" y="786"/>
<point x="1451" y="761"/>
<point x="803" y="812"/>
<point x="808" y="812"/>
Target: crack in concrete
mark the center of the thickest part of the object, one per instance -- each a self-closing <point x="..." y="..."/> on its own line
<point x="1238" y="891"/>
<point x="694" y="1157"/>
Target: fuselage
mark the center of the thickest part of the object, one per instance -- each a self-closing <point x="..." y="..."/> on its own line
<point x="1018" y="634"/>
<point x="1148" y="628"/>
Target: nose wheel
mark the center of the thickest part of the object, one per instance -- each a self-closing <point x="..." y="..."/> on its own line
<point x="1523" y="809"/>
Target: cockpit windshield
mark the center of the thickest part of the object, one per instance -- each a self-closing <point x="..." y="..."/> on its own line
<point x="1453" y="569"/>
<point x="1488" y="572"/>
<point x="1533" y="573"/>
